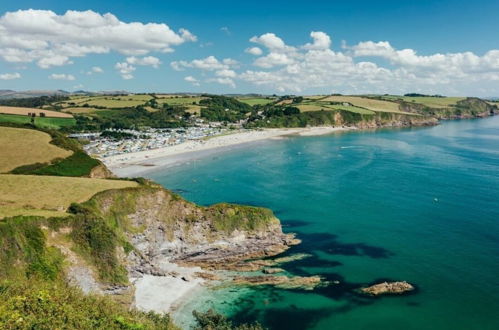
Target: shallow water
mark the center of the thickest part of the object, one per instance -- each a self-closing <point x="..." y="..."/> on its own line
<point x="405" y="204"/>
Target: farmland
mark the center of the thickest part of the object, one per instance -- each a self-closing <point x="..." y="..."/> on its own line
<point x="256" y="100"/>
<point x="25" y="111"/>
<point x="47" y="195"/>
<point x="107" y="101"/>
<point x="23" y="146"/>
<point x="363" y="102"/>
<point x="46" y="122"/>
<point x="429" y="101"/>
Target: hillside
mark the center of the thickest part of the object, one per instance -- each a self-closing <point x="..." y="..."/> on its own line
<point x="24" y="146"/>
<point x="61" y="237"/>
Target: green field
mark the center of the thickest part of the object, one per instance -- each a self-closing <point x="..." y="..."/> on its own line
<point x="108" y="101"/>
<point x="363" y="102"/>
<point x="179" y="100"/>
<point x="316" y="106"/>
<point x="432" y="102"/>
<point x="256" y="100"/>
<point x="55" y="123"/>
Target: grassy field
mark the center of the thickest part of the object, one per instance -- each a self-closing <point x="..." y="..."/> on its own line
<point x="186" y="100"/>
<point x="77" y="110"/>
<point x="25" y="146"/>
<point x="316" y="106"/>
<point x="256" y="100"/>
<point x="55" y="123"/>
<point x="432" y="102"/>
<point x="25" y="111"/>
<point x="108" y="101"/>
<point x="48" y="195"/>
<point x="375" y="105"/>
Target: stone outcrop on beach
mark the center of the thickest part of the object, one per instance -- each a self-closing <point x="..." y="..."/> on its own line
<point x="388" y="288"/>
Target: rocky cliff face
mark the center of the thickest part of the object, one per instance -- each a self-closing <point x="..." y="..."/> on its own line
<point x="470" y="107"/>
<point x="161" y="225"/>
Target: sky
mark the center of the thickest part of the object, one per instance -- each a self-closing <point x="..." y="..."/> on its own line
<point x="283" y="47"/>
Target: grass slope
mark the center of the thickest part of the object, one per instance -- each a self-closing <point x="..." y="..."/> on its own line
<point x="48" y="195"/>
<point x="25" y="111"/>
<point x="25" y="146"/>
<point x="45" y="122"/>
<point x="375" y="105"/>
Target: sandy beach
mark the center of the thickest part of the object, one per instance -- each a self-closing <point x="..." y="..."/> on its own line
<point x="133" y="164"/>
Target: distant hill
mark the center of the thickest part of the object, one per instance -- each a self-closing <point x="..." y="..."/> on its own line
<point x="11" y="94"/>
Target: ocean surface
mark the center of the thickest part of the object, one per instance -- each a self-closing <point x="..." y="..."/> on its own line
<point x="418" y="204"/>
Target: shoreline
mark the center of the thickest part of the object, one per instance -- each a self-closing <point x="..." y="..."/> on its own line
<point x="132" y="164"/>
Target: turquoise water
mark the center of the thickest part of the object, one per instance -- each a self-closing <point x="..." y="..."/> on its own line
<point x="419" y="204"/>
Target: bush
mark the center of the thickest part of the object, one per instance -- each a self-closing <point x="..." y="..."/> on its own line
<point x="49" y="305"/>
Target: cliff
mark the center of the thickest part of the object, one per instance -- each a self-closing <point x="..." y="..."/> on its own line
<point x="470" y="107"/>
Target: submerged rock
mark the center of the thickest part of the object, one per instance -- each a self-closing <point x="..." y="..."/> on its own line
<point x="272" y="270"/>
<point x="388" y="288"/>
<point x="284" y="282"/>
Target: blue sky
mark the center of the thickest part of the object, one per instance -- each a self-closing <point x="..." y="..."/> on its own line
<point x="361" y="46"/>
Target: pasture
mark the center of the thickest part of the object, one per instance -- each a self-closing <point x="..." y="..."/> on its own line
<point x="362" y="102"/>
<point x="255" y="100"/>
<point x="48" y="195"/>
<point x="46" y="122"/>
<point x="432" y="102"/>
<point x="107" y="101"/>
<point x="25" y="111"/>
<point x="26" y="146"/>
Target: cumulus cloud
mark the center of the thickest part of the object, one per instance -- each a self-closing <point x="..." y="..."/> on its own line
<point x="192" y="80"/>
<point x="148" y="60"/>
<point x="254" y="51"/>
<point x="95" y="69"/>
<point x="10" y="76"/>
<point x="61" y="76"/>
<point x="316" y="66"/>
<point x="223" y="81"/>
<point x="210" y="63"/>
<point x="125" y="70"/>
<point x="52" y="40"/>
<point x="321" y="41"/>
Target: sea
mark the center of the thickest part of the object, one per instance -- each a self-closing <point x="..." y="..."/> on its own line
<point x="413" y="204"/>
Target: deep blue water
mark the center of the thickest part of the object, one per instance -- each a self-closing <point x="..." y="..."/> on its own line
<point x="418" y="204"/>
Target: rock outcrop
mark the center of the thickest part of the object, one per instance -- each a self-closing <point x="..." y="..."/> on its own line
<point x="163" y="226"/>
<point x="388" y="288"/>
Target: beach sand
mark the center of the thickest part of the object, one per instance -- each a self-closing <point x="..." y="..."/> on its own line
<point x="134" y="164"/>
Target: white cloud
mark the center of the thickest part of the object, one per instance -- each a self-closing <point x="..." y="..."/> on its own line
<point x="254" y="51"/>
<point x="52" y="40"/>
<point x="316" y="66"/>
<point x="209" y="63"/>
<point x="94" y="69"/>
<point x="271" y="41"/>
<point x="226" y="73"/>
<point x="192" y="80"/>
<point x="321" y="41"/>
<point x="125" y="70"/>
<point x="10" y="76"/>
<point x="223" y="81"/>
<point x="61" y="76"/>
<point x="148" y="60"/>
<point x="225" y="30"/>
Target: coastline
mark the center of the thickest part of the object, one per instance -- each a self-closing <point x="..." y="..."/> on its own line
<point x="133" y="164"/>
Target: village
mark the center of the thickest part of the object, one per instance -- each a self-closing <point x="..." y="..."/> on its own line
<point x="148" y="139"/>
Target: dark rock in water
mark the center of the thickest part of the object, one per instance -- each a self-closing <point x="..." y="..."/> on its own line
<point x="387" y="288"/>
